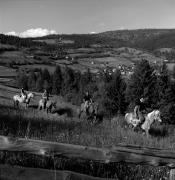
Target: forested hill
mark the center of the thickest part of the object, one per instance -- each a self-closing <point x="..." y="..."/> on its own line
<point x="148" y="39"/>
<point x="135" y="35"/>
<point x="166" y="40"/>
<point x="18" y="42"/>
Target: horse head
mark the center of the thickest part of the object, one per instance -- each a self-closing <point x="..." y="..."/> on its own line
<point x="54" y="104"/>
<point x="157" y="115"/>
<point x="30" y="95"/>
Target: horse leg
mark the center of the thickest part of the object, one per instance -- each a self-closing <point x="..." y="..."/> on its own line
<point x="79" y="114"/>
<point x="14" y="103"/>
<point x="17" y="104"/>
<point x="49" y="110"/>
<point x="95" y="119"/>
<point x="147" y="133"/>
<point x="51" y="107"/>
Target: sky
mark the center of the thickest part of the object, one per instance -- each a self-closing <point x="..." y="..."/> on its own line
<point x="41" y="17"/>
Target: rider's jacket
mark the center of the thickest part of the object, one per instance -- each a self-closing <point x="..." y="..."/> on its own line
<point x="142" y="106"/>
<point x="23" y="93"/>
<point x="45" y="95"/>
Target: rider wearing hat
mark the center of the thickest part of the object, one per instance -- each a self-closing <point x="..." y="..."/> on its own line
<point x="23" y="94"/>
<point x="87" y="99"/>
<point x="139" y="110"/>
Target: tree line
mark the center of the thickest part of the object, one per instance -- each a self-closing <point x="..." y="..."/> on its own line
<point x="114" y="93"/>
<point x="19" y="42"/>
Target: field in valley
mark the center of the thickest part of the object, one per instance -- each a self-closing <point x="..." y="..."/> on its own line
<point x="79" y="59"/>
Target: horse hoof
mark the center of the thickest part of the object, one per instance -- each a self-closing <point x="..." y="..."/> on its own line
<point x="130" y="126"/>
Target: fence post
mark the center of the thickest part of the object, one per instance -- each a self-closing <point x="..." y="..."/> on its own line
<point x="172" y="174"/>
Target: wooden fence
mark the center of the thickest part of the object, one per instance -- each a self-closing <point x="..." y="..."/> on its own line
<point x="129" y="154"/>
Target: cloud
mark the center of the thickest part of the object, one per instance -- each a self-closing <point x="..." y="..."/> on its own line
<point x="38" y="32"/>
<point x="122" y="28"/>
<point x="11" y="33"/>
<point x="93" y="32"/>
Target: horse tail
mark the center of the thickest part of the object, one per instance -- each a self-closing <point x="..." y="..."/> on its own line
<point x="14" y="103"/>
<point x="79" y="112"/>
<point x="15" y="100"/>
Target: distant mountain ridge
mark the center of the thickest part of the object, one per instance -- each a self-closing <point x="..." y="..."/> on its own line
<point x="134" y="35"/>
<point x="148" y="39"/>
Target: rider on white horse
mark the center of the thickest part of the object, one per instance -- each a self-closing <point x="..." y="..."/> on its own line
<point x="23" y="94"/>
<point x="139" y="110"/>
<point x="87" y="99"/>
<point x="45" y="97"/>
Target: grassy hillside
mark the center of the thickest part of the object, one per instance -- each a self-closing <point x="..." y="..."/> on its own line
<point x="64" y="126"/>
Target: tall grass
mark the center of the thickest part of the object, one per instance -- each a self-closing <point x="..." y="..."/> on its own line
<point x="15" y="122"/>
<point x="52" y="127"/>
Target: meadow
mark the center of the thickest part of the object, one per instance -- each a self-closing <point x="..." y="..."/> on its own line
<point x="68" y="128"/>
<point x="60" y="126"/>
<point x="64" y="126"/>
<point x="171" y="66"/>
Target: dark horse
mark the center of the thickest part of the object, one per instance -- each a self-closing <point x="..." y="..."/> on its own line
<point x="49" y="105"/>
<point x="91" y="112"/>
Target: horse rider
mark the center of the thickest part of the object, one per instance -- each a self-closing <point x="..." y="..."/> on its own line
<point x="45" y="97"/>
<point x="139" y="110"/>
<point x="23" y="94"/>
<point x="87" y="99"/>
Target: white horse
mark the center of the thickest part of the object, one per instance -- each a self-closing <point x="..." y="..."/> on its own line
<point x="49" y="105"/>
<point x="21" y="99"/>
<point x="149" y="119"/>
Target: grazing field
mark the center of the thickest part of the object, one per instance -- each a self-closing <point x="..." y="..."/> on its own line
<point x="7" y="75"/>
<point x="7" y="72"/>
<point x="50" y="68"/>
<point x="113" y="61"/>
<point x="16" y="58"/>
<point x="54" y="41"/>
<point x="78" y="59"/>
<point x="170" y="66"/>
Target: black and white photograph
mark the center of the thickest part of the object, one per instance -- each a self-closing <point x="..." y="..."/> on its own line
<point x="87" y="89"/>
